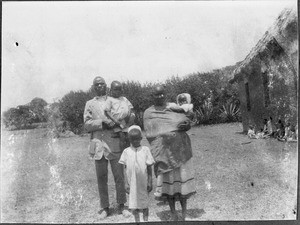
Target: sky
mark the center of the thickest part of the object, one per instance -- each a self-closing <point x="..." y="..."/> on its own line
<point x="52" y="48"/>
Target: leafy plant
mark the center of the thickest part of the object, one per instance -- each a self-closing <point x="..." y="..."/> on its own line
<point x="204" y="114"/>
<point x="71" y="107"/>
<point x="37" y="106"/>
<point x="230" y="112"/>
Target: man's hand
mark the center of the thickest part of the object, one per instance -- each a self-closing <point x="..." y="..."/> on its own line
<point x="184" y="126"/>
<point x="127" y="188"/>
<point x="149" y="186"/>
<point x="108" y="124"/>
<point x="91" y="156"/>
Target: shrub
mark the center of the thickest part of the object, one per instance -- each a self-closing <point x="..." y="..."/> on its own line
<point x="71" y="107"/>
<point x="203" y="114"/>
<point x="140" y="97"/>
<point x="37" y="106"/>
<point x="55" y="122"/>
<point x="210" y="94"/>
<point x="230" y="113"/>
<point x="25" y="116"/>
<point x="18" y="118"/>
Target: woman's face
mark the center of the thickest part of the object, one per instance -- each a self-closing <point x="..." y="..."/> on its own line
<point x="159" y="95"/>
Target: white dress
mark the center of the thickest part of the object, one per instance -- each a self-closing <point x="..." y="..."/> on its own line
<point x="136" y="161"/>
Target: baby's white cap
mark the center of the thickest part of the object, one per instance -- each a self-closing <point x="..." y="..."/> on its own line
<point x="186" y="95"/>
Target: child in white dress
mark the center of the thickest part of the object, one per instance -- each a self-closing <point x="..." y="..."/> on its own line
<point x="137" y="161"/>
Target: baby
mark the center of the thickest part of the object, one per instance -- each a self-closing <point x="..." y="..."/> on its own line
<point x="183" y="104"/>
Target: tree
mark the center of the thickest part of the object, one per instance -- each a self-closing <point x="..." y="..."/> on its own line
<point x="20" y="117"/>
<point x="37" y="106"/>
<point x="71" y="107"/>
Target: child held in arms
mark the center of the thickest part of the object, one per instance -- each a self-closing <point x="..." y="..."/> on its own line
<point x="119" y="110"/>
<point x="183" y="104"/>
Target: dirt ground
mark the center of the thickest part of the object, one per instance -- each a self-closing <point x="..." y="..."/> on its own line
<point x="52" y="180"/>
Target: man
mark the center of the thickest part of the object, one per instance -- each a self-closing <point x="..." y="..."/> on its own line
<point x="104" y="148"/>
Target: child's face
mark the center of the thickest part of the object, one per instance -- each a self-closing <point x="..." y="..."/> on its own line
<point x="135" y="140"/>
<point x="116" y="92"/>
<point x="182" y="100"/>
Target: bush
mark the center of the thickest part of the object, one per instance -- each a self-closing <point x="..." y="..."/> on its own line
<point x="37" y="106"/>
<point x="18" y="118"/>
<point x="23" y="116"/>
<point x="210" y="93"/>
<point x="71" y="107"/>
<point x="230" y="113"/>
<point x="140" y="97"/>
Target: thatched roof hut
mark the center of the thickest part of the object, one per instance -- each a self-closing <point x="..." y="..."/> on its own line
<point x="267" y="77"/>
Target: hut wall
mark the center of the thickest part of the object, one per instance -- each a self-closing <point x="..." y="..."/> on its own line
<point x="243" y="105"/>
<point x="271" y="93"/>
<point x="271" y="73"/>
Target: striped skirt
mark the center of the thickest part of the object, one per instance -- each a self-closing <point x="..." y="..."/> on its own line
<point x="179" y="183"/>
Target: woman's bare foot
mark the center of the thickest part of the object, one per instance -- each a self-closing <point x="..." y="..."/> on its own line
<point x="174" y="217"/>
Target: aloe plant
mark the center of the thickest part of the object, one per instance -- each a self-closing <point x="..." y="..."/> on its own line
<point x="204" y="113"/>
<point x="230" y="112"/>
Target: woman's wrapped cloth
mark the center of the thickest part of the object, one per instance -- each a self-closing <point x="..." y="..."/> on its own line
<point x="170" y="146"/>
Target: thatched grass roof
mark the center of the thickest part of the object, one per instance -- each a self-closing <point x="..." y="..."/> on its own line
<point x="281" y="36"/>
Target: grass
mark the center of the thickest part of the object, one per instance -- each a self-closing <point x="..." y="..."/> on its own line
<point x="52" y="180"/>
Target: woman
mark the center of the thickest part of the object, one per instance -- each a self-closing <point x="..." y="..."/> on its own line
<point x="171" y="149"/>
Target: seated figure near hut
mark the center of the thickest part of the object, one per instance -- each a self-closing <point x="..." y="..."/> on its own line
<point x="261" y="134"/>
<point x="279" y="130"/>
<point x="290" y="133"/>
<point x="292" y="137"/>
<point x="270" y="126"/>
<point x="251" y="132"/>
<point x="265" y="129"/>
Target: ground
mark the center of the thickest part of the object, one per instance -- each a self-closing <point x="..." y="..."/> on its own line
<point x="52" y="180"/>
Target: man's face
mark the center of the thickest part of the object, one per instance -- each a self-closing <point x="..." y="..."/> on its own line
<point x="99" y="86"/>
<point x="159" y="95"/>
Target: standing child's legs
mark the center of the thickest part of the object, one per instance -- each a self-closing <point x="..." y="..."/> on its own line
<point x="145" y="214"/>
<point x="158" y="190"/>
<point x="136" y="215"/>
<point x="183" y="202"/>
<point x="171" y="201"/>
